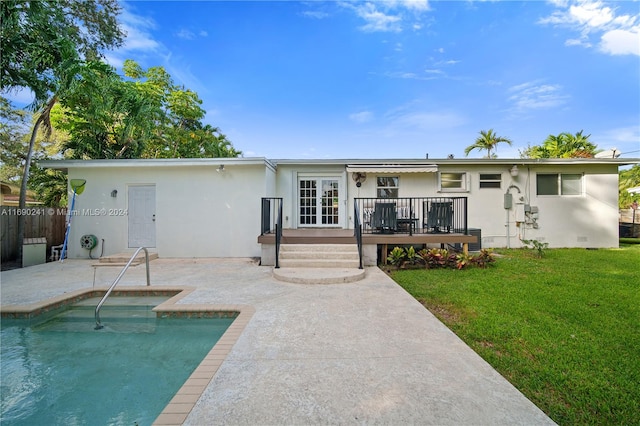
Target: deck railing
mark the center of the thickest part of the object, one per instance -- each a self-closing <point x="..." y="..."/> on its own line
<point x="414" y="215"/>
<point x="271" y="221"/>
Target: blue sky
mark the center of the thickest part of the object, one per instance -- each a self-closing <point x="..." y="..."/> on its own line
<point x="398" y="79"/>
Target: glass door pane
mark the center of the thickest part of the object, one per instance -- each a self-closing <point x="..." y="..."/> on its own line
<point x="308" y="195"/>
<point x="330" y="202"/>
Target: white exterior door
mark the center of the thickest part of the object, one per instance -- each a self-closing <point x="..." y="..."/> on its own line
<point x="142" y="216"/>
<point x="319" y="201"/>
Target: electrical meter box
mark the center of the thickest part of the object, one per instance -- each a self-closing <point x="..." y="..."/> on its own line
<point x="508" y="201"/>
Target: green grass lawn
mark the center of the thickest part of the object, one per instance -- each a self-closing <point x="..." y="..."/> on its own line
<point x="564" y="328"/>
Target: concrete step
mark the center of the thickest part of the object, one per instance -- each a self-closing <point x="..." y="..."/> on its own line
<point x="319" y="248"/>
<point x="319" y="263"/>
<point x="319" y="275"/>
<point x="313" y="255"/>
<point x="121" y="259"/>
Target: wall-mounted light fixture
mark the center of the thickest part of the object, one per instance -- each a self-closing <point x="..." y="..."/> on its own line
<point x="114" y="193"/>
<point x="220" y="168"/>
<point x="514" y="170"/>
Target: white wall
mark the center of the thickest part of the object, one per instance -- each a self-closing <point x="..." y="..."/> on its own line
<point x="199" y="212"/>
<point x="589" y="220"/>
<point x="204" y="213"/>
<point x="287" y="188"/>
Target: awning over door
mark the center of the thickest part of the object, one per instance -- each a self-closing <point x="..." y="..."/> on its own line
<point x="392" y="168"/>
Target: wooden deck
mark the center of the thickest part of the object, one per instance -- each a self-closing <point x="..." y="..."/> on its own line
<point x="311" y="236"/>
<point x="345" y="236"/>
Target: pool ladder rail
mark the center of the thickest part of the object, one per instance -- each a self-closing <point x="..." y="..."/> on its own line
<point x="117" y="280"/>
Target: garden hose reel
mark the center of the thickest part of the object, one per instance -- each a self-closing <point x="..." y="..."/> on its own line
<point x="88" y="242"/>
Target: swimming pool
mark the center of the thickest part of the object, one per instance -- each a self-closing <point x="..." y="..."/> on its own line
<point x="62" y="371"/>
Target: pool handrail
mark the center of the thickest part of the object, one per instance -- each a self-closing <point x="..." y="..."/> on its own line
<point x="104" y="298"/>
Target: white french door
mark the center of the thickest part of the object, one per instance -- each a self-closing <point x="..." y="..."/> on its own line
<point x="319" y="200"/>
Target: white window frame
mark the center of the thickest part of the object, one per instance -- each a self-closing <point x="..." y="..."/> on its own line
<point x="465" y="181"/>
<point x="396" y="188"/>
<point x="559" y="188"/>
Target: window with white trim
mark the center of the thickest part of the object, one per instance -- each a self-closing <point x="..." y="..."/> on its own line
<point x="453" y="181"/>
<point x="387" y="186"/>
<point x="558" y="184"/>
<point x="490" y="180"/>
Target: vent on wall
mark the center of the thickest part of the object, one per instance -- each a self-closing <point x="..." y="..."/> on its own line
<point x="583" y="239"/>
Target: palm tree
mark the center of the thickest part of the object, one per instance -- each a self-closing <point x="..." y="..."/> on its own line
<point x="564" y="145"/>
<point x="487" y="140"/>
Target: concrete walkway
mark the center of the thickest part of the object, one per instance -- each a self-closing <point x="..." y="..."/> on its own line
<point x="353" y="353"/>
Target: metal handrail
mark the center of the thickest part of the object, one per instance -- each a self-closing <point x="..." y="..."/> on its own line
<point x="357" y="230"/>
<point x="278" y="234"/>
<point x="104" y="298"/>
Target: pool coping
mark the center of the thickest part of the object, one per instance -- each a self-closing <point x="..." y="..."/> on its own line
<point x="182" y="403"/>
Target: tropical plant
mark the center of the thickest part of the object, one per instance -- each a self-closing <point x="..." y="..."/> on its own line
<point x="411" y="255"/>
<point x="105" y="116"/>
<point x="40" y="38"/>
<point x="484" y="258"/>
<point x="536" y="245"/>
<point x="462" y="260"/>
<point x="397" y="257"/>
<point x="437" y="258"/>
<point x="628" y="179"/>
<point x="42" y="43"/>
<point x="564" y="145"/>
<point x="14" y="128"/>
<point x="488" y="140"/>
<point x="50" y="186"/>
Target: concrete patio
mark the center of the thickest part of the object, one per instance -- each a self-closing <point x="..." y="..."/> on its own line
<point x="352" y="353"/>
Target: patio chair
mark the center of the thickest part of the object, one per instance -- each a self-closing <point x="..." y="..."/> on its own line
<point x="439" y="216"/>
<point x="385" y="219"/>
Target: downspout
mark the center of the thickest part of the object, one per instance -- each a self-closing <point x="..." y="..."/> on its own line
<point x="508" y="205"/>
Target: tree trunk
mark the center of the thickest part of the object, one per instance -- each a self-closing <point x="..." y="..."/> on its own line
<point x="25" y="175"/>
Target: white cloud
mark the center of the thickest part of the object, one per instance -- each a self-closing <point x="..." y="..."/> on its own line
<point x="619" y="34"/>
<point x="621" y="42"/>
<point x="138" y="29"/>
<point x="533" y="95"/>
<point x="185" y="34"/>
<point x="389" y="15"/>
<point x="190" y="35"/>
<point x="361" y="117"/>
<point x="315" y="14"/>
<point x="577" y="42"/>
<point x="413" y="117"/>
<point x="377" y="20"/>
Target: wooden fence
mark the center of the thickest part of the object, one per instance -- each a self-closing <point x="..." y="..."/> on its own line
<point x="40" y="222"/>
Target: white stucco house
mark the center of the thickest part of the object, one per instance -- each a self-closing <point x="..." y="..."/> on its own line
<point x="215" y="207"/>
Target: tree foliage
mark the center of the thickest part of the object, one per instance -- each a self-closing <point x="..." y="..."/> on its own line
<point x="564" y="145"/>
<point x="42" y="42"/>
<point x="14" y="128"/>
<point x="104" y="116"/>
<point x="629" y="178"/>
<point x="40" y="38"/>
<point x="144" y="116"/>
<point x="488" y="140"/>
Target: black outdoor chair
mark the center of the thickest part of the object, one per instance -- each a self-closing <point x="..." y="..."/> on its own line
<point x="385" y="218"/>
<point x="439" y="216"/>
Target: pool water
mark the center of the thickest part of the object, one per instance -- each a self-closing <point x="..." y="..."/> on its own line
<point x="63" y="372"/>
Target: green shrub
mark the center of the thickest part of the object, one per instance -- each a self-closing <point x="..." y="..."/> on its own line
<point x="536" y="245"/>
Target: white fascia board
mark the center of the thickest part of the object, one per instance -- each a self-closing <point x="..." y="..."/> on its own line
<point x="160" y="162"/>
<point x="457" y="161"/>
